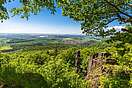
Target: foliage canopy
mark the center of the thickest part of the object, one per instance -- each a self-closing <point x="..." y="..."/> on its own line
<point x="94" y="15"/>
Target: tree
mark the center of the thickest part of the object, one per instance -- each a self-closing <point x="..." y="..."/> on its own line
<point x="26" y="7"/>
<point x="94" y="15"/>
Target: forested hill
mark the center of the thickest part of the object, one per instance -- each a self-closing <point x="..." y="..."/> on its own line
<point x="102" y="59"/>
<point x="104" y="64"/>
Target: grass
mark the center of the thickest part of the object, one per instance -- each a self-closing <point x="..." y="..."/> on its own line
<point x="5" y="48"/>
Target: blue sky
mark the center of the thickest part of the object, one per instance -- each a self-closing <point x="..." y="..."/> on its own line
<point x="44" y="22"/>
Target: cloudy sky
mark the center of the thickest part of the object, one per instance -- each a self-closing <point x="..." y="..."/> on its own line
<point x="44" y="22"/>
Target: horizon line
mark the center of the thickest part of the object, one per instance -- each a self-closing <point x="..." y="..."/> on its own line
<point x="46" y="33"/>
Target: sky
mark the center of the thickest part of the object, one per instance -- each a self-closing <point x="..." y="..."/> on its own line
<point x="44" y="22"/>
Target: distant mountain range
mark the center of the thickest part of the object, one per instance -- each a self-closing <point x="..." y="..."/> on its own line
<point x="33" y="35"/>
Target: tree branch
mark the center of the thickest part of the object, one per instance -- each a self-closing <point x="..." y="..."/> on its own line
<point x="111" y="21"/>
<point x="118" y="9"/>
<point x="128" y="20"/>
